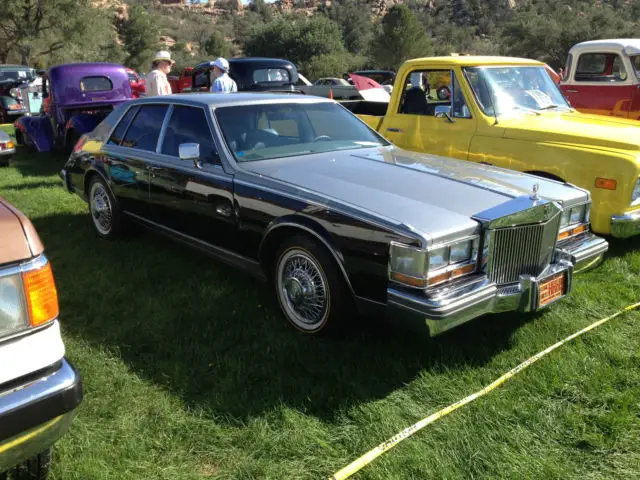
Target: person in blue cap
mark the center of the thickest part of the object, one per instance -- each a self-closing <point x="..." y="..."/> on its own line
<point x="222" y="82"/>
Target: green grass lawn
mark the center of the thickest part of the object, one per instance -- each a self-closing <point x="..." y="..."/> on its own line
<point x="190" y="372"/>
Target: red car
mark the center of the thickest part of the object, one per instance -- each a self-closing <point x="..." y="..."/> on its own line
<point x="138" y="84"/>
<point x="183" y="82"/>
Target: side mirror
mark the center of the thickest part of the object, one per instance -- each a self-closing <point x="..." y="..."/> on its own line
<point x="190" y="152"/>
<point x="444" y="111"/>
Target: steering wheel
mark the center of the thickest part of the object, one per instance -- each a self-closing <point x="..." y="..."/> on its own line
<point x="322" y="138"/>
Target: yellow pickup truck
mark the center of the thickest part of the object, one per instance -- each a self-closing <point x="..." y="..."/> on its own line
<point x="508" y="112"/>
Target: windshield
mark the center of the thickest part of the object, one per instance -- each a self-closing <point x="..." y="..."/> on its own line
<point x="504" y="90"/>
<point x="16" y="75"/>
<point x="259" y="132"/>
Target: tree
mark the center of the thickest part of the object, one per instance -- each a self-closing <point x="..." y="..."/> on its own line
<point x="547" y="32"/>
<point x="262" y="9"/>
<point x="139" y="35"/>
<point x="35" y="28"/>
<point x="216" y="46"/>
<point x="400" y="37"/>
<point x="355" y="23"/>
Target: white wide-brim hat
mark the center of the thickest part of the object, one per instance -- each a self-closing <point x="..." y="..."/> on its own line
<point x="163" y="55"/>
<point x="222" y="64"/>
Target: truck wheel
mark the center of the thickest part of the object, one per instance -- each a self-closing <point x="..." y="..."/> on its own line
<point x="311" y="290"/>
<point x="35" y="468"/>
<point x="105" y="213"/>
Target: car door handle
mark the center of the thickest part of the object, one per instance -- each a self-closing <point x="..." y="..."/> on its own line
<point x="224" y="210"/>
<point x="573" y="91"/>
<point x="396" y="130"/>
<point x="153" y="169"/>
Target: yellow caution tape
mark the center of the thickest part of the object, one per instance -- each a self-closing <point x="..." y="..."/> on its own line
<point x="371" y="455"/>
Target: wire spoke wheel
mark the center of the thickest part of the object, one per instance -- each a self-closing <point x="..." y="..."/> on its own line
<point x="303" y="289"/>
<point x="101" y="208"/>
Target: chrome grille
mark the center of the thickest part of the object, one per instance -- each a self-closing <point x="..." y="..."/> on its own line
<point x="523" y="250"/>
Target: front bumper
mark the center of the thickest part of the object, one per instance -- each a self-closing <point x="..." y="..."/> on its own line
<point x="37" y="411"/>
<point x="453" y="305"/>
<point x="626" y="225"/>
<point x="7" y="151"/>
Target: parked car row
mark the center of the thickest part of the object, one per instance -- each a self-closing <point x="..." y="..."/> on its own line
<point x="471" y="191"/>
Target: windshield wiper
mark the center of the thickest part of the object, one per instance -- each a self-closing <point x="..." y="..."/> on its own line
<point x="549" y="107"/>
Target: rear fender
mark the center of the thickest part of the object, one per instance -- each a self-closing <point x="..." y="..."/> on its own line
<point x="82" y="123"/>
<point x="39" y="131"/>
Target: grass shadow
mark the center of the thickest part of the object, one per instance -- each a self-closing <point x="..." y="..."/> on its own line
<point x="215" y="337"/>
<point x="32" y="164"/>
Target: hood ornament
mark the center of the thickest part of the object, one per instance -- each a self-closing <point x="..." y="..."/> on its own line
<point x="534" y="196"/>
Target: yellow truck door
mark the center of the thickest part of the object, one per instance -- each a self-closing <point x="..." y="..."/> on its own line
<point x="429" y="113"/>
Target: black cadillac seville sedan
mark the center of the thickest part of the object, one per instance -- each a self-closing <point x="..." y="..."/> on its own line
<point x="299" y="192"/>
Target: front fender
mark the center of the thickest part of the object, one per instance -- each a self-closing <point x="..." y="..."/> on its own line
<point x="308" y="226"/>
<point x="39" y="131"/>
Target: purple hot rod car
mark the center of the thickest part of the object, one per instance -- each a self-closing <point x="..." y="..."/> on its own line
<point x="76" y="98"/>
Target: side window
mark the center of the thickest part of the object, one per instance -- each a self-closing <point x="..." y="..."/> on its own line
<point x="121" y="129"/>
<point x="145" y="129"/>
<point x="567" y="68"/>
<point x="426" y="91"/>
<point x="189" y="125"/>
<point x="600" y="67"/>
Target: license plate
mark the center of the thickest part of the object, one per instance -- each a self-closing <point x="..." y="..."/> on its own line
<point x="551" y="289"/>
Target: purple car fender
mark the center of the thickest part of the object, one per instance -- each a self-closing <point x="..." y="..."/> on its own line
<point x="35" y="132"/>
<point x="78" y="125"/>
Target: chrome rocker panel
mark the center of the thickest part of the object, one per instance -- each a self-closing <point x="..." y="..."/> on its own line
<point x="453" y="305"/>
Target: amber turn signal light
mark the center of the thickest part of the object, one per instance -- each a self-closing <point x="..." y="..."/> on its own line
<point x="10" y="144"/>
<point x="606" y="183"/>
<point x="42" y="296"/>
<point x="407" y="280"/>
<point x="572" y="231"/>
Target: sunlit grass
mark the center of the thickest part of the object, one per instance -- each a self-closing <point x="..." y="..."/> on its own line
<point x="190" y="372"/>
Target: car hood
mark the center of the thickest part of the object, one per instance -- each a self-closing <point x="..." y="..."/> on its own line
<point x="574" y="128"/>
<point x="434" y="196"/>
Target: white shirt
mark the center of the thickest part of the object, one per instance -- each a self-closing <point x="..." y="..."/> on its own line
<point x="157" y="84"/>
<point x="224" y="84"/>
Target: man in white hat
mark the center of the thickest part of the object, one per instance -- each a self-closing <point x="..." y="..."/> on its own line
<point x="157" y="83"/>
<point x="222" y="82"/>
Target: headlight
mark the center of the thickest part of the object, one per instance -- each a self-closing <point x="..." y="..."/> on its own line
<point x="577" y="215"/>
<point x="13" y="309"/>
<point x="407" y="265"/>
<point x="460" y="252"/>
<point x="419" y="268"/>
<point x="635" y="195"/>
<point x="14" y="92"/>
<point x="438" y="258"/>
<point x="574" y="221"/>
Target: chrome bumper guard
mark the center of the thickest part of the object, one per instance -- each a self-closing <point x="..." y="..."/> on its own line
<point x="36" y="413"/>
<point x="625" y="226"/>
<point x="453" y="305"/>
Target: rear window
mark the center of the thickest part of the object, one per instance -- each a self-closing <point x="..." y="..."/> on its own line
<point x="270" y="75"/>
<point x="600" y="67"/>
<point x="95" y="84"/>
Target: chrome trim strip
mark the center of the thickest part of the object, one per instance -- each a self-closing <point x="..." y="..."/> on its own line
<point x="423" y="238"/>
<point x="26" y="266"/>
<point x="163" y="129"/>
